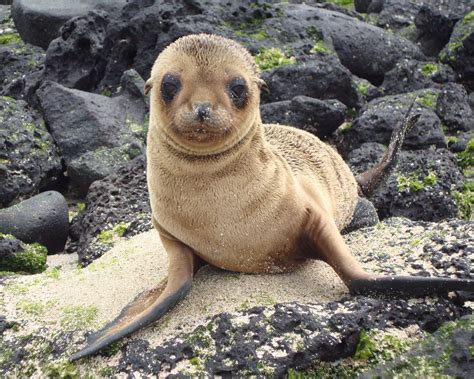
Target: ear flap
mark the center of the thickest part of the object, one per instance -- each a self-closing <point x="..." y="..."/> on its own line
<point x="148" y="86"/>
<point x="262" y="85"/>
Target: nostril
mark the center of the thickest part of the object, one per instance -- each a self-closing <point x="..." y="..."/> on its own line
<point x="202" y="110"/>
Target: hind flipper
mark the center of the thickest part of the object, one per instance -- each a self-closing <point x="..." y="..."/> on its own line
<point x="150" y="305"/>
<point x="413" y="286"/>
<point x="328" y="245"/>
<point x="369" y="180"/>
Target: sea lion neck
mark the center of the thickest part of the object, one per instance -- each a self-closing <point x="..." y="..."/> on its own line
<point x="181" y="162"/>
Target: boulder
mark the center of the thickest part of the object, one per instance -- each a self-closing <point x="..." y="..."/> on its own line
<point x="16" y="256"/>
<point x="378" y="118"/>
<point x="412" y="75"/>
<point x="119" y="199"/>
<point x="454" y="110"/>
<point x="76" y="59"/>
<point x="88" y="128"/>
<point x="319" y="117"/>
<point x="43" y="219"/>
<point x="459" y="52"/>
<point x="29" y="159"/>
<point x="39" y="21"/>
<point x="421" y="188"/>
<point x="321" y="79"/>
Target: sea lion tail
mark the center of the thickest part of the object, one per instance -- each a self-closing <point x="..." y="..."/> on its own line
<point x="371" y="179"/>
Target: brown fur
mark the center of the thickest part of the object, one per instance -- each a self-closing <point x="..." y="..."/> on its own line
<point x="241" y="204"/>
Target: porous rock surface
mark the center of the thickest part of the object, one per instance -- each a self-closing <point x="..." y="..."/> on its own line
<point x="120" y="198"/>
<point x="29" y="158"/>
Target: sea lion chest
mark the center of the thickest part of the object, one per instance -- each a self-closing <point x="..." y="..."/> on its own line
<point x="241" y="219"/>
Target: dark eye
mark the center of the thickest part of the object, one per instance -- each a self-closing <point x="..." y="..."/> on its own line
<point x="238" y="92"/>
<point x="170" y="86"/>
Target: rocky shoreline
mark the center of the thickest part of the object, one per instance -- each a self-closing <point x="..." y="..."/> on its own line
<point x="73" y="124"/>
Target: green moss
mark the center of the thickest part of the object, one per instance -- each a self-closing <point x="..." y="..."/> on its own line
<point x="4" y="161"/>
<point x="466" y="158"/>
<point x="451" y="140"/>
<point x="112" y="349"/>
<point x="55" y="273"/>
<point x="81" y="206"/>
<point x="342" y="3"/>
<point x="413" y="183"/>
<point x="320" y="47"/>
<point x="468" y="18"/>
<point x="346" y="127"/>
<point x="195" y="361"/>
<point x="107" y="236"/>
<point x="363" y="88"/>
<point x="429" y="69"/>
<point x="259" y="35"/>
<point x="106" y="372"/>
<point x="78" y="317"/>
<point x="8" y="38"/>
<point x="428" y="99"/>
<point x="268" y="59"/>
<point x="32" y="260"/>
<point x="31" y="308"/>
<point x="120" y="229"/>
<point x="61" y="369"/>
<point x="465" y="200"/>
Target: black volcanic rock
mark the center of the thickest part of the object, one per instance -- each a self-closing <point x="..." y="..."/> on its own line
<point x="29" y="160"/>
<point x="39" y="21"/>
<point x="459" y="52"/>
<point x="319" y="117"/>
<point x="96" y="134"/>
<point x="421" y="188"/>
<point x="42" y="218"/>
<point x="120" y="198"/>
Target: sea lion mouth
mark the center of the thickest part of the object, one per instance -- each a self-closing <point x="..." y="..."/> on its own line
<point x="201" y="132"/>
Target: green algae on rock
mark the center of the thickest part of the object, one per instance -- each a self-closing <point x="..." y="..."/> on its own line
<point x="31" y="260"/>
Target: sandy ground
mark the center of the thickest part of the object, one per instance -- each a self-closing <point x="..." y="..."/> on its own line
<point x="139" y="263"/>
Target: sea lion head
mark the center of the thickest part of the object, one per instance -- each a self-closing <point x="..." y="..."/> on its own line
<point x="204" y="93"/>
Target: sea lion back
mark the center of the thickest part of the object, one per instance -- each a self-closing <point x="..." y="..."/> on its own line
<point x="315" y="163"/>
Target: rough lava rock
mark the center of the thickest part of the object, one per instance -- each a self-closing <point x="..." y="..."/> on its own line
<point x="411" y="75"/>
<point x="319" y="117"/>
<point x="95" y="133"/>
<point x="422" y="187"/>
<point x="459" y="52"/>
<point x="453" y="108"/>
<point x="42" y="218"/>
<point x="29" y="160"/>
<point x="80" y="41"/>
<point x="381" y="116"/>
<point x="120" y="198"/>
<point x="322" y="79"/>
<point x="39" y="21"/>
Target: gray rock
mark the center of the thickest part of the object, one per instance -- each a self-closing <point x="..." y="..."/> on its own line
<point x="120" y="198"/>
<point x="421" y="188"/>
<point x="397" y="14"/>
<point x="362" y="6"/>
<point x="80" y="41"/>
<point x="42" y="218"/>
<point x="319" y="117"/>
<point x="378" y="119"/>
<point x="454" y="110"/>
<point x="412" y="75"/>
<point x="459" y="52"/>
<point x="365" y="156"/>
<point x="39" y="21"/>
<point x="85" y="123"/>
<point x="29" y="160"/>
<point x="321" y="79"/>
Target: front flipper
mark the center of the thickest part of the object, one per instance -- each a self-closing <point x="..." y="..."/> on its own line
<point x="150" y="305"/>
<point x="413" y="286"/>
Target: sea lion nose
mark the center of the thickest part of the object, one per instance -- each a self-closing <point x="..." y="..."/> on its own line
<point x="202" y="110"/>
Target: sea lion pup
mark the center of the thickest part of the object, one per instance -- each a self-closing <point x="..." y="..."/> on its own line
<point x="231" y="192"/>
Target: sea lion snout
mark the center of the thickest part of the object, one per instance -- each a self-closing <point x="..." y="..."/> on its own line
<point x="202" y="111"/>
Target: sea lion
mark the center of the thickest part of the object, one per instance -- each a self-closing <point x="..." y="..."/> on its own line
<point x="228" y="191"/>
